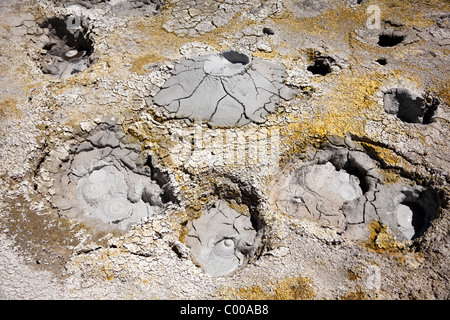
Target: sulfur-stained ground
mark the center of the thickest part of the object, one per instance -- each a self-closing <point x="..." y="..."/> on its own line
<point x="357" y="67"/>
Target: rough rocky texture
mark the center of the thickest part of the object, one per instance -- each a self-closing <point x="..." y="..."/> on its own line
<point x="199" y="17"/>
<point x="118" y="7"/>
<point x="370" y="117"/>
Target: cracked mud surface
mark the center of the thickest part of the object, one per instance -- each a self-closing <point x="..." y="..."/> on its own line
<point x="345" y="188"/>
<point x="225" y="89"/>
<point x="280" y="149"/>
<point x="200" y="17"/>
<point x="222" y="240"/>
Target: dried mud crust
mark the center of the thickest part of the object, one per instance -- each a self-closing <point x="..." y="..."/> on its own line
<point x="376" y="226"/>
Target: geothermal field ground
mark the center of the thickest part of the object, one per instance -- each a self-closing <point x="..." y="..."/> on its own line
<point x="228" y="149"/>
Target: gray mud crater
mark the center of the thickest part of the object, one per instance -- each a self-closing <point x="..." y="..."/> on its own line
<point x="67" y="50"/>
<point x="201" y="149"/>
<point x="107" y="181"/>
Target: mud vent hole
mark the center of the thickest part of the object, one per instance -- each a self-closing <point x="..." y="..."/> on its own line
<point x="353" y="170"/>
<point x="382" y="61"/>
<point x="321" y="66"/>
<point x="417" y="219"/>
<point x="415" y="213"/>
<point x="408" y="106"/>
<point x="68" y="51"/>
<point x="235" y="57"/>
<point x="390" y="39"/>
<point x="268" y="31"/>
